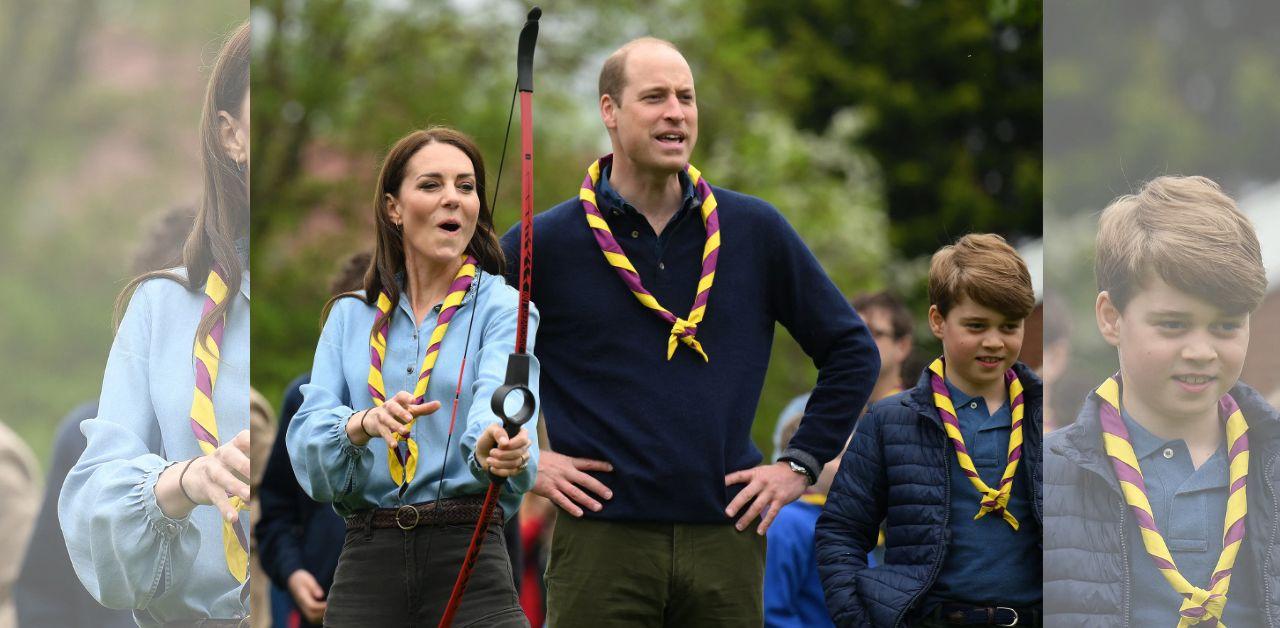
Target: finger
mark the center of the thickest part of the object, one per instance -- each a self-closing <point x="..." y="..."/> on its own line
<point x="387" y="433"/>
<point x="591" y="484"/>
<point x="219" y="499"/>
<point x="392" y="424"/>
<point x="769" y="515"/>
<point x="500" y="437"/>
<point x="233" y="459"/>
<point x="587" y="464"/>
<point x="227" y="482"/>
<point x="520" y="442"/>
<point x="753" y="511"/>
<point x="577" y="495"/>
<point x="424" y="408"/>
<point x="742" y="498"/>
<point x="242" y="441"/>
<point x="397" y="411"/>
<point x="402" y="398"/>
<point x="738" y="477"/>
<point x="565" y="503"/>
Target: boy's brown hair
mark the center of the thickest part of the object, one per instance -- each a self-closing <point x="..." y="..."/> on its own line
<point x="1187" y="232"/>
<point x="983" y="267"/>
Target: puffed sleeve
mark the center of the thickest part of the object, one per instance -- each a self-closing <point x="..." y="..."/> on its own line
<point x="328" y="465"/>
<point x="120" y="542"/>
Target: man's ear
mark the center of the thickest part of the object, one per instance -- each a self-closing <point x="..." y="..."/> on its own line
<point x="608" y="112"/>
<point x="233" y="139"/>
<point x="1109" y="318"/>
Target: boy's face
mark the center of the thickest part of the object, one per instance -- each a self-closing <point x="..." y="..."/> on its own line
<point x="1178" y="354"/>
<point x="979" y="344"/>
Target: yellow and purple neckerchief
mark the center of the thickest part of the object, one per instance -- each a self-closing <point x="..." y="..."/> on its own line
<point x="993" y="500"/>
<point x="682" y="330"/>
<point x="1199" y="606"/>
<point x="403" y="465"/>
<point x="207" y="353"/>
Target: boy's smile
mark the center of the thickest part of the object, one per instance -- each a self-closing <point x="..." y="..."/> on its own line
<point x="1178" y="353"/>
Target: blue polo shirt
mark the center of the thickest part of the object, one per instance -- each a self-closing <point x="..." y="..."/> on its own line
<point x="1190" y="507"/>
<point x="674" y="428"/>
<point x="987" y="561"/>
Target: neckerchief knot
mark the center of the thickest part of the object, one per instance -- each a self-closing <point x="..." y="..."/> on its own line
<point x="991" y="500"/>
<point x="685" y="332"/>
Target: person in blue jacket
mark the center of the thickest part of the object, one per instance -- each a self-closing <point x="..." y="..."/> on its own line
<point x="952" y="467"/>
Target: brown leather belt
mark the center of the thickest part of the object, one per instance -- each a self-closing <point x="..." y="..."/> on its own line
<point x="451" y="511"/>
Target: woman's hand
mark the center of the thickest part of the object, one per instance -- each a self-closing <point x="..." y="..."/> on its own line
<point x="388" y="419"/>
<point x="211" y="479"/>
<point x="502" y="456"/>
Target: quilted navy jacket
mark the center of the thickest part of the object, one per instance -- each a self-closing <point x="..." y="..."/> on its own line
<point x="1088" y="574"/>
<point x="897" y="470"/>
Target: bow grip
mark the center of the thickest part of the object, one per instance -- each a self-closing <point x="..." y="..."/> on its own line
<point x="517" y="380"/>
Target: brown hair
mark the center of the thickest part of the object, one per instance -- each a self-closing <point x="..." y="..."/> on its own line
<point x="613" y="76"/>
<point x="983" y="267"/>
<point x="223" y="214"/>
<point x="1189" y="233"/>
<point x="899" y="316"/>
<point x="388" y="248"/>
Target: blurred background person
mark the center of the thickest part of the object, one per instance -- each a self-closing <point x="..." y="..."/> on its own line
<point x="299" y="539"/>
<point x="19" y="500"/>
<point x="163" y="443"/>
<point x="43" y="599"/>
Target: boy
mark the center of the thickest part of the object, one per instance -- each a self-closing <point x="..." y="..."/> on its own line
<point x="1161" y="497"/>
<point x="951" y="465"/>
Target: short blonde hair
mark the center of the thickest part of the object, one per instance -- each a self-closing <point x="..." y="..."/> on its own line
<point x="1187" y="232"/>
<point x="983" y="267"/>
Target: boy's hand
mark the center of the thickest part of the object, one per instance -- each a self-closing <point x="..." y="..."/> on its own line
<point x="772" y="486"/>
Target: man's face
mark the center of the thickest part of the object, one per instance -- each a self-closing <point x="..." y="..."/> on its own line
<point x="1178" y="353"/>
<point x="893" y="351"/>
<point x="656" y="119"/>
<point x="979" y="343"/>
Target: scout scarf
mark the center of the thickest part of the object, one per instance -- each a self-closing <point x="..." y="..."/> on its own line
<point x="404" y="464"/>
<point x="682" y="330"/>
<point x="993" y="500"/>
<point x="1198" y="605"/>
<point x="207" y="353"/>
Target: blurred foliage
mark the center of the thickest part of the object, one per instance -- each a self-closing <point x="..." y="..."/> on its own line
<point x="99" y="117"/>
<point x="1135" y="90"/>
<point x="336" y="82"/>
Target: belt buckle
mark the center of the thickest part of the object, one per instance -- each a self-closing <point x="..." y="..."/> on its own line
<point x="417" y="516"/>
<point x="1015" y="615"/>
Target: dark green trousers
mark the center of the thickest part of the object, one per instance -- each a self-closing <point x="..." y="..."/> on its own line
<point x="605" y="573"/>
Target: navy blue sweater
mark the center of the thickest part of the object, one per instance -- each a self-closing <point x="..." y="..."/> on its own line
<point x="674" y="429"/>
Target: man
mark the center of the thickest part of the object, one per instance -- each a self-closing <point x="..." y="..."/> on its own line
<point x="649" y="409"/>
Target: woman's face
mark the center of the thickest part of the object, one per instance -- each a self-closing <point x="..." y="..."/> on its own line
<point x="437" y="203"/>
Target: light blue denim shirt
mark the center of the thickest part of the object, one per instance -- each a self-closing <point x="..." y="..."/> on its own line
<point x="330" y="468"/>
<point x="125" y="550"/>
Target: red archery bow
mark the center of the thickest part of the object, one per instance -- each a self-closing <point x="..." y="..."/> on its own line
<point x="517" y="379"/>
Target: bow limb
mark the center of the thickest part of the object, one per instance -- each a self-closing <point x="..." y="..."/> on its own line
<point x="518" y="363"/>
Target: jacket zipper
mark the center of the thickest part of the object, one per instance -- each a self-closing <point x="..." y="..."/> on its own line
<point x="946" y="524"/>
<point x="1127" y="588"/>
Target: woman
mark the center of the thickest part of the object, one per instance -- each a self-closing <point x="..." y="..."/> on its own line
<point x="171" y="432"/>
<point x="432" y="329"/>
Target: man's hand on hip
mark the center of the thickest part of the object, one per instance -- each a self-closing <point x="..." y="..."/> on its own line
<point x="773" y="486"/>
<point x="560" y="478"/>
